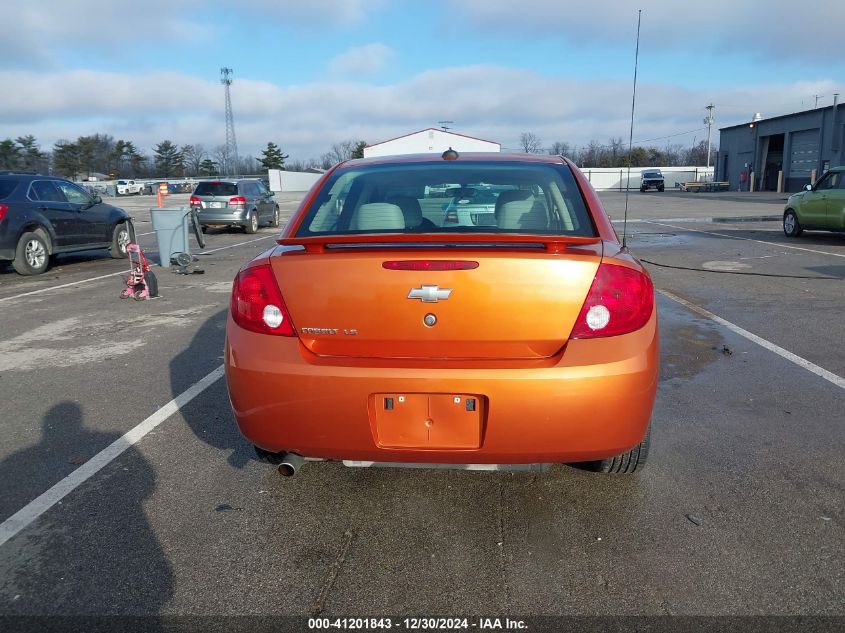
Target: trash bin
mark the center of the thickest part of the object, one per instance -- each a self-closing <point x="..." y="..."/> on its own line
<point x="171" y="227"/>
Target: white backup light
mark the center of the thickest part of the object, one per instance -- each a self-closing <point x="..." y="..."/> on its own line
<point x="597" y="317"/>
<point x="272" y="316"/>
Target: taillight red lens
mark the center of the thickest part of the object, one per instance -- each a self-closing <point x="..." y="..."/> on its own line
<point x="196" y="202"/>
<point x="237" y="201"/>
<point x="257" y="303"/>
<point x="620" y="301"/>
<point x="451" y="216"/>
<point x="3" y="209"/>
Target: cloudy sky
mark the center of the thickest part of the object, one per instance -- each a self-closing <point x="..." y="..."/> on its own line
<point x="309" y="73"/>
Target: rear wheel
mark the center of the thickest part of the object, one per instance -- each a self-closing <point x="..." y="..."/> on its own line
<point x="791" y="225"/>
<point x="32" y="255"/>
<point x="120" y="239"/>
<point x="625" y="463"/>
<point x="251" y="223"/>
<point x="274" y="221"/>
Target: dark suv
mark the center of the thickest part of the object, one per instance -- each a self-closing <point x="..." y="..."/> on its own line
<point x="652" y="179"/>
<point x="41" y="216"/>
<point x="243" y="202"/>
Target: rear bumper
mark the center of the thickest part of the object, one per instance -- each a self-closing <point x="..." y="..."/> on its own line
<point x="593" y="401"/>
<point x="222" y="216"/>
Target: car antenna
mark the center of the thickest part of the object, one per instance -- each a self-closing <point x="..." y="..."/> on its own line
<point x="631" y="135"/>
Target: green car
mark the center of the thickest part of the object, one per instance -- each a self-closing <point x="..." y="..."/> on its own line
<point x="820" y="207"/>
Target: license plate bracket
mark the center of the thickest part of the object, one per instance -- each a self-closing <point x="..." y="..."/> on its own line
<point x="427" y="420"/>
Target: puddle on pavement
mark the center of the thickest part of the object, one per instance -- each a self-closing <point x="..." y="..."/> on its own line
<point x="687" y="349"/>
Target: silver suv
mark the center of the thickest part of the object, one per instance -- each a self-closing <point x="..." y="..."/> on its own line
<point x="242" y="202"/>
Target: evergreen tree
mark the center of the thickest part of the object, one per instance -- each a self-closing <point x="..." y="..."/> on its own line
<point x="168" y="159"/>
<point x="273" y="158"/>
<point x="10" y="154"/>
<point x="358" y="152"/>
<point x="208" y="168"/>
<point x="32" y="158"/>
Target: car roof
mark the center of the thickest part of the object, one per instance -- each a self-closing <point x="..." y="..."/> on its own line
<point x="486" y="157"/>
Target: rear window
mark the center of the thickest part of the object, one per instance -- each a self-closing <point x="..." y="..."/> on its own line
<point x="7" y="187"/>
<point x="216" y="189"/>
<point x="451" y="197"/>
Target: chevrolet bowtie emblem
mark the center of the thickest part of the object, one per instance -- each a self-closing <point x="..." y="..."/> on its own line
<point x="430" y="294"/>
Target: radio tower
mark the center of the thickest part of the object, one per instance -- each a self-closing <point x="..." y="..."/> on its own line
<point x="231" y="142"/>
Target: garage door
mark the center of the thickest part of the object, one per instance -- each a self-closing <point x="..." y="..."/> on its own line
<point x="805" y="153"/>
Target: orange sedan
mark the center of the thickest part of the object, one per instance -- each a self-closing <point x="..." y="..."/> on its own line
<point x="471" y="310"/>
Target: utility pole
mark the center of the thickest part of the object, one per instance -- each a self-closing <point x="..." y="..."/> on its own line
<point x="817" y="100"/>
<point x="709" y="123"/>
<point x="231" y="142"/>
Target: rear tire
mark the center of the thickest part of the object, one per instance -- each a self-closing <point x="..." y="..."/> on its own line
<point x="626" y="463"/>
<point x="274" y="221"/>
<point x="791" y="225"/>
<point x="251" y="223"/>
<point x="32" y="254"/>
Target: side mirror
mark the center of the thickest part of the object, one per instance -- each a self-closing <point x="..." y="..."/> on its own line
<point x="808" y="187"/>
<point x="97" y="199"/>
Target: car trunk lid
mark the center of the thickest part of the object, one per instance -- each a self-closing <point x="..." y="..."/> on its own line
<point x="373" y="299"/>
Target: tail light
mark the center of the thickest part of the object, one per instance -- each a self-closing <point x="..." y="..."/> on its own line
<point x="620" y="301"/>
<point x="3" y="209"/>
<point x="237" y="201"/>
<point x="257" y="303"/>
<point x="451" y="216"/>
<point x="196" y="202"/>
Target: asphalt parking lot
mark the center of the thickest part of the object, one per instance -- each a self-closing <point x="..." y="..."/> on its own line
<point x="739" y="512"/>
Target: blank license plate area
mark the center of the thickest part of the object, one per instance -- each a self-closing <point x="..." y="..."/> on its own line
<point x="216" y="205"/>
<point x="427" y="420"/>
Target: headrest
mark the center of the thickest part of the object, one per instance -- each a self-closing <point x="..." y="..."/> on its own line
<point x="378" y="216"/>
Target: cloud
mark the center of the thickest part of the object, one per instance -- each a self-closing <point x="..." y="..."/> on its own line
<point x="361" y="60"/>
<point x="774" y="30"/>
<point x="38" y="30"/>
<point x="492" y="102"/>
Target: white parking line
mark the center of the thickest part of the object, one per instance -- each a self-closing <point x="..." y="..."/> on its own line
<point x="223" y="248"/>
<point x="38" y="506"/>
<point x="793" y="358"/>
<point x="67" y="285"/>
<point x="122" y="272"/>
<point x="747" y="239"/>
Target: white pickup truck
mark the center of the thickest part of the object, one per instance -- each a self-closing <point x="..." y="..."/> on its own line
<point x="128" y="187"/>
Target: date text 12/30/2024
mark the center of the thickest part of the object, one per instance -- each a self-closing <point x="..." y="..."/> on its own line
<point x="417" y="624"/>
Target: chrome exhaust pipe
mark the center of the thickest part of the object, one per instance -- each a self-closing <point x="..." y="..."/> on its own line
<point x="290" y="464"/>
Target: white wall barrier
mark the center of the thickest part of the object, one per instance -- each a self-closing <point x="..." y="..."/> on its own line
<point x="610" y="178"/>
<point x="281" y="180"/>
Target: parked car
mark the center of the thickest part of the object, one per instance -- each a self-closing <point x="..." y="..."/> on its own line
<point x="42" y="216"/>
<point x="820" y="207"/>
<point x="244" y="202"/>
<point x="652" y="179"/>
<point x="369" y="338"/>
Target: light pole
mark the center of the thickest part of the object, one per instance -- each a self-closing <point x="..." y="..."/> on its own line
<point x="708" y="121"/>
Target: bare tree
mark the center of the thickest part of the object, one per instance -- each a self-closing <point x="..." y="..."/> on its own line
<point x="221" y="156"/>
<point x="559" y="148"/>
<point x="531" y="143"/>
<point x="193" y="156"/>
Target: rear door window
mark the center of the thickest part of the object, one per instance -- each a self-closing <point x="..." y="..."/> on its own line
<point x="216" y="189"/>
<point x="45" y="191"/>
